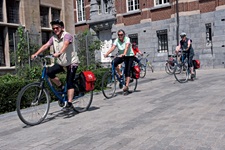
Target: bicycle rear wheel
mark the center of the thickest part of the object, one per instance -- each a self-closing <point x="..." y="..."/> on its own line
<point x="133" y="84"/>
<point x="143" y="71"/>
<point x="32" y="104"/>
<point x="82" y="101"/>
<point x="181" y="73"/>
<point x="108" y="84"/>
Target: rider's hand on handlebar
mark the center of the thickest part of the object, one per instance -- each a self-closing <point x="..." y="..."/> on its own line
<point x="33" y="56"/>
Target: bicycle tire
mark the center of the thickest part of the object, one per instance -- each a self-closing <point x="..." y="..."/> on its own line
<point x="181" y="73"/>
<point x="169" y="69"/>
<point x="133" y="84"/>
<point x="82" y="102"/>
<point x="150" y="66"/>
<point x="143" y="71"/>
<point x="27" y="104"/>
<point x="108" y="85"/>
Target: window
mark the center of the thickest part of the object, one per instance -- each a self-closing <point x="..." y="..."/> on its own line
<point x="11" y="44"/>
<point x="102" y="6"/>
<point x="45" y="36"/>
<point x="132" y="5"/>
<point x="161" y="2"/>
<point x="55" y="14"/>
<point x="12" y="7"/>
<point x="208" y="34"/>
<point x="80" y="10"/>
<point x="2" y="52"/>
<point x="162" y="41"/>
<point x="133" y="38"/>
<point x="44" y="11"/>
<point x="1" y="10"/>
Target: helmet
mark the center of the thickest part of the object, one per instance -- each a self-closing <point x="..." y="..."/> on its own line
<point x="57" y="22"/>
<point x="183" y="34"/>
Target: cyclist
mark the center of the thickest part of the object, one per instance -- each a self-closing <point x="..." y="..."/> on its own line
<point x="188" y="51"/>
<point x="126" y="55"/>
<point x="136" y="50"/>
<point x="62" y="43"/>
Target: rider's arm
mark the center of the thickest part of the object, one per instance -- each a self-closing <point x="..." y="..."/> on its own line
<point x="68" y="39"/>
<point x="110" y="50"/>
<point x="126" y="49"/>
<point x="189" y="44"/>
<point x="42" y="49"/>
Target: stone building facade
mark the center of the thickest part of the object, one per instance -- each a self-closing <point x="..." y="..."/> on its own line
<point x="155" y="25"/>
<point x="34" y="16"/>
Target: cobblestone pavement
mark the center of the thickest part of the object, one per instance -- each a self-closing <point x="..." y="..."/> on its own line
<point x="162" y="115"/>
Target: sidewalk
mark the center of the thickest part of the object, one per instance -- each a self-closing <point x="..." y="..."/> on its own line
<point x="162" y="115"/>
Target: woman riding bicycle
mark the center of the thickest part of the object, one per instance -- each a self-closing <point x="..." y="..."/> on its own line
<point x="188" y="51"/>
<point x="126" y="55"/>
<point x="62" y="42"/>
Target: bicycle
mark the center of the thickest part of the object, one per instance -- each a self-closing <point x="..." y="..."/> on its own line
<point x="143" y="66"/>
<point x="182" y="71"/>
<point x="33" y="100"/>
<point x="170" y="64"/>
<point x="111" y="78"/>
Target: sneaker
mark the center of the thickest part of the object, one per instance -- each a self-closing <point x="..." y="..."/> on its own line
<point x="68" y="107"/>
<point x="192" y="76"/>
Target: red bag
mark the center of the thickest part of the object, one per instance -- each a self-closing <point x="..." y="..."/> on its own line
<point x="196" y="64"/>
<point x="87" y="79"/>
<point x="136" y="72"/>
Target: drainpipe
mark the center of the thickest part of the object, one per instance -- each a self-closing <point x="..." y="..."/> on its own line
<point x="177" y="14"/>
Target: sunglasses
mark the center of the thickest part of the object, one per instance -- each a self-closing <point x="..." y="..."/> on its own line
<point x="57" y="28"/>
<point x="120" y="34"/>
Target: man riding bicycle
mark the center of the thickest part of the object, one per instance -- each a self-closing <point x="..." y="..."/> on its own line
<point x="188" y="51"/>
<point x="126" y="55"/>
<point x="62" y="43"/>
<point x="136" y="50"/>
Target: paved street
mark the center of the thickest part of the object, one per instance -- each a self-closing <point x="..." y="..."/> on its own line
<point x="162" y="115"/>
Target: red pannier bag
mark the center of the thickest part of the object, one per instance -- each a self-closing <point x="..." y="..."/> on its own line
<point x="87" y="81"/>
<point x="196" y="63"/>
<point x="136" y="72"/>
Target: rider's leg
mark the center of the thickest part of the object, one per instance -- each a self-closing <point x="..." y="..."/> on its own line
<point x="128" y="64"/>
<point x="190" y="63"/>
<point x="117" y="64"/>
<point x="52" y="71"/>
<point x="71" y="72"/>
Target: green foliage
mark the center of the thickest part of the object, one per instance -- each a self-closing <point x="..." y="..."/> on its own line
<point x="86" y="45"/>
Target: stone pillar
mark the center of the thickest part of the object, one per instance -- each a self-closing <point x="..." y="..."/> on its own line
<point x="68" y="15"/>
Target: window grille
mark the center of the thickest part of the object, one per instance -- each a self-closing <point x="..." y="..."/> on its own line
<point x="162" y="41"/>
<point x="133" y="38"/>
<point x="80" y="10"/>
<point x="44" y="14"/>
<point x="55" y="14"/>
<point x="161" y="2"/>
<point x="12" y="7"/>
<point x="2" y="51"/>
<point x="1" y="10"/>
<point x="132" y="5"/>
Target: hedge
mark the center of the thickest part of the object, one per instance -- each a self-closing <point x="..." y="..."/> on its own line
<point x="11" y="85"/>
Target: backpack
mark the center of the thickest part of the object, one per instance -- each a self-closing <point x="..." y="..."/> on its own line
<point x="86" y="81"/>
<point x="196" y="63"/>
<point x="135" y="72"/>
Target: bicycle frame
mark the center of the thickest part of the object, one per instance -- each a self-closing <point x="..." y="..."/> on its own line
<point x="113" y="69"/>
<point x="62" y="96"/>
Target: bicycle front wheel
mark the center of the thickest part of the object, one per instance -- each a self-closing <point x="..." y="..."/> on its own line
<point x="181" y="73"/>
<point x="33" y="104"/>
<point x="83" y="101"/>
<point x="169" y="68"/>
<point x="143" y="71"/>
<point x="108" y="84"/>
